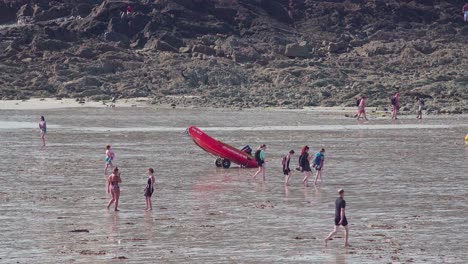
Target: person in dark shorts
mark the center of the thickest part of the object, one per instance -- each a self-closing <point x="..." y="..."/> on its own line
<point x="340" y="218"/>
<point x="260" y="158"/>
<point x="149" y="189"/>
<point x="286" y="169"/>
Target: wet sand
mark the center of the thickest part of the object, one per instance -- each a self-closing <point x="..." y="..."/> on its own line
<point x="405" y="185"/>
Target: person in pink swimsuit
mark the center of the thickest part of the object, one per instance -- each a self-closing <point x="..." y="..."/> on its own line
<point x="113" y="188"/>
<point x="362" y="108"/>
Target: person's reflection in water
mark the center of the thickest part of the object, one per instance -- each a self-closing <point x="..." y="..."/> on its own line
<point x="286" y="191"/>
<point x="340" y="257"/>
<point x="114" y="228"/>
<point x="149" y="222"/>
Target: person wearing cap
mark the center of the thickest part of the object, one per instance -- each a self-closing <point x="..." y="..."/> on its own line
<point x="340" y="218"/>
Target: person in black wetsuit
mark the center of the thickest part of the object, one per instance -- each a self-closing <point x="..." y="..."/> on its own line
<point x="149" y="189"/>
<point x="340" y="218"/>
<point x="286" y="169"/>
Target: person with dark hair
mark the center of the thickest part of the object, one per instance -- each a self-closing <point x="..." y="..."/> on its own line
<point x="43" y="130"/>
<point x="110" y="155"/>
<point x="318" y="165"/>
<point x="304" y="165"/>
<point x="395" y="99"/>
<point x="286" y="169"/>
<point x="340" y="218"/>
<point x="260" y="158"/>
<point x="149" y="189"/>
<point x="113" y="188"/>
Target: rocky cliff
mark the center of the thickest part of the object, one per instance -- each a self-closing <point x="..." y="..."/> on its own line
<point x="240" y="53"/>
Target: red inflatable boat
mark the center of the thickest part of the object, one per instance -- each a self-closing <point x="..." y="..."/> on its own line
<point x="225" y="153"/>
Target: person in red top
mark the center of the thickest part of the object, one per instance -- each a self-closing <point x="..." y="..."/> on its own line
<point x="465" y="12"/>
<point x="129" y="10"/>
<point x="395" y="104"/>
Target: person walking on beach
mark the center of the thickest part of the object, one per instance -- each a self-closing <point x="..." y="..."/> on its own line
<point x="113" y="188"/>
<point x="395" y="99"/>
<point x="340" y="218"/>
<point x="319" y="160"/>
<point x="110" y="155"/>
<point x="286" y="169"/>
<point x="304" y="165"/>
<point x="149" y="189"/>
<point x="420" y="104"/>
<point x="260" y="158"/>
<point x="43" y="130"/>
<point x="362" y="108"/>
<point x="465" y="12"/>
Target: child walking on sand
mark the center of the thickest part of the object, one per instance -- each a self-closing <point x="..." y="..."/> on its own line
<point x="110" y="155"/>
<point x="149" y="189"/>
<point x="286" y="169"/>
<point x="113" y="188"/>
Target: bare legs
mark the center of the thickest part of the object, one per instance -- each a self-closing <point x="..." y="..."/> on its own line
<point x="305" y="181"/>
<point x="115" y="199"/>
<point x="395" y="112"/>
<point x="335" y="229"/>
<point x="43" y="139"/>
<point x="260" y="170"/>
<point x="360" y="114"/>
<point x="107" y="166"/>
<point x="149" y="205"/>
<point x="287" y="178"/>
<point x="318" y="175"/>
<point x="419" y="114"/>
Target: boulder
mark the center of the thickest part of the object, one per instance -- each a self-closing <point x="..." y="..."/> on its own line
<point x="204" y="50"/>
<point x="338" y="47"/>
<point x="301" y="49"/>
<point x="156" y="44"/>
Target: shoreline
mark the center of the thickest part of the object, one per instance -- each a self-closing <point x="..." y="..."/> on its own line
<point x="145" y="102"/>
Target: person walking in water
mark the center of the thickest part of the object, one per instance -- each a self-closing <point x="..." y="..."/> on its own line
<point x="113" y="188"/>
<point x="319" y="160"/>
<point x="420" y="105"/>
<point x="260" y="158"/>
<point x="465" y="12"/>
<point x="286" y="169"/>
<point x="340" y="218"/>
<point x="149" y="189"/>
<point x="395" y="99"/>
<point x="362" y="108"/>
<point x="110" y="155"/>
<point x="304" y="165"/>
<point x="43" y="130"/>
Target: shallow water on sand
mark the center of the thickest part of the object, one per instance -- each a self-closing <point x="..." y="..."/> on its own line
<point x="405" y="185"/>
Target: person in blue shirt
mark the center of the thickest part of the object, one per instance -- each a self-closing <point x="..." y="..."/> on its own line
<point x="318" y="165"/>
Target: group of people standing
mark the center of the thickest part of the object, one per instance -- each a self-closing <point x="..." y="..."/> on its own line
<point x="114" y="179"/>
<point x="395" y="101"/>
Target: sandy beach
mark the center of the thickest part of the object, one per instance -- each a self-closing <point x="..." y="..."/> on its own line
<point x="405" y="186"/>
